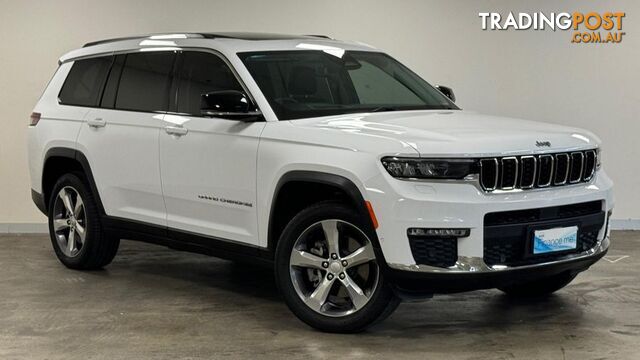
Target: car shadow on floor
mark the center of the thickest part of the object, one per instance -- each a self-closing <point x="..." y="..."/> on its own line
<point x="203" y="272"/>
<point x="487" y="310"/>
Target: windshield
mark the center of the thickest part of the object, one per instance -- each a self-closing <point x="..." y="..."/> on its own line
<point x="301" y="84"/>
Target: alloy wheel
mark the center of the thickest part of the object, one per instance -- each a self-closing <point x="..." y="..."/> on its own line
<point x="69" y="221"/>
<point x="333" y="268"/>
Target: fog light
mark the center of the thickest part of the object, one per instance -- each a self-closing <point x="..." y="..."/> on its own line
<point x="438" y="232"/>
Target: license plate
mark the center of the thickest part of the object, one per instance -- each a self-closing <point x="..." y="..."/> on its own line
<point x="554" y="240"/>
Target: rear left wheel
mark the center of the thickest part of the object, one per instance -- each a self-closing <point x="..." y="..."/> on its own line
<point x="327" y="271"/>
<point x="75" y="226"/>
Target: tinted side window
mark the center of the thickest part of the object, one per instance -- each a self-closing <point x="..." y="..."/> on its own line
<point x="83" y="86"/>
<point x="145" y="81"/>
<point x="200" y="74"/>
<point x="111" y="87"/>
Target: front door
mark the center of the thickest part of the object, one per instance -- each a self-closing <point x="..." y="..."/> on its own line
<point x="208" y="165"/>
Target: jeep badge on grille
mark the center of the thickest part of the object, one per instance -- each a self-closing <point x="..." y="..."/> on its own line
<point x="543" y="143"/>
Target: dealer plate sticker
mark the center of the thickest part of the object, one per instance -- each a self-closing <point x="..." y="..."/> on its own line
<point x="552" y="240"/>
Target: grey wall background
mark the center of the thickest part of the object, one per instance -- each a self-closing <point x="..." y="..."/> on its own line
<point x="537" y="75"/>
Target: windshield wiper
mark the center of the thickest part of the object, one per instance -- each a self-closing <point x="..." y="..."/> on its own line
<point x="383" y="108"/>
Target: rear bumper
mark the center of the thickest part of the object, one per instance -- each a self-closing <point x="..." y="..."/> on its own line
<point x="473" y="274"/>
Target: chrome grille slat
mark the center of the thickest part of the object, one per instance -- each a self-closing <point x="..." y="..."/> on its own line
<point x="509" y="180"/>
<point x="589" y="164"/>
<point x="537" y="171"/>
<point x="547" y="171"/>
<point x="577" y="159"/>
<point x="528" y="164"/>
<point x="561" y="171"/>
<point x="489" y="173"/>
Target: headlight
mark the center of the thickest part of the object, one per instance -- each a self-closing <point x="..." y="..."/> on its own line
<point x="430" y="168"/>
<point x="598" y="158"/>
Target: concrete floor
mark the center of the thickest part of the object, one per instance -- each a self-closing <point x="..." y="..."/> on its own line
<point x="156" y="303"/>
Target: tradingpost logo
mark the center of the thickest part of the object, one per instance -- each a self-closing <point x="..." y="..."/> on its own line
<point x="586" y="28"/>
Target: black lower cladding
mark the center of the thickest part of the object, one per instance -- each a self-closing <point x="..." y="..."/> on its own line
<point x="508" y="235"/>
<point x="434" y="251"/>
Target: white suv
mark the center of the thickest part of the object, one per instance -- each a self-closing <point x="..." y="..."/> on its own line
<point x="357" y="180"/>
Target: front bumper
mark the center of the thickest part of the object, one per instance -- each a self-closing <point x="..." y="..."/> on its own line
<point x="410" y="282"/>
<point x="475" y="265"/>
<point x="400" y="205"/>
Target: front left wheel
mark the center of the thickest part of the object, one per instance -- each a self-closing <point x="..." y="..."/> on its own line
<point x="327" y="270"/>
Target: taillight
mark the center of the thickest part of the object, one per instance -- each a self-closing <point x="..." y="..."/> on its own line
<point x="34" y="118"/>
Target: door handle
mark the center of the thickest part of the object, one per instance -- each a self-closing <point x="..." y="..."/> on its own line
<point x="176" y="130"/>
<point x="97" y="123"/>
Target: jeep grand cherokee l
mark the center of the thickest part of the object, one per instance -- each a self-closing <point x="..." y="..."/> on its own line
<point x="359" y="182"/>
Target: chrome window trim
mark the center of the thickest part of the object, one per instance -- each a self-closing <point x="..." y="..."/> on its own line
<point x="174" y="49"/>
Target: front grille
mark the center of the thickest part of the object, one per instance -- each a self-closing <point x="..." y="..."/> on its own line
<point x="507" y="234"/>
<point x="537" y="171"/>
<point x="439" y="251"/>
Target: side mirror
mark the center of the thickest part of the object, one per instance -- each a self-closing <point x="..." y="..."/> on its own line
<point x="228" y="104"/>
<point x="447" y="91"/>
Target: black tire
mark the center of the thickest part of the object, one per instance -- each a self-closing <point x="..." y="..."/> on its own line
<point x="97" y="250"/>
<point x="539" y="288"/>
<point x="382" y="301"/>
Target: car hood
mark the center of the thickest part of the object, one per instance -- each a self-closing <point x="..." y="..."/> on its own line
<point x="455" y="133"/>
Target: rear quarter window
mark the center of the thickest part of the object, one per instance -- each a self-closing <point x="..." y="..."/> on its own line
<point x="83" y="86"/>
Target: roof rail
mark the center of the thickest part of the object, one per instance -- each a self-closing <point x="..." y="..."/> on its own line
<point x="106" y="41"/>
<point x="151" y="36"/>
<point x="230" y="35"/>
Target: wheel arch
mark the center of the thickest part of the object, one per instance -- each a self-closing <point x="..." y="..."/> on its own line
<point x="62" y="160"/>
<point x="293" y="182"/>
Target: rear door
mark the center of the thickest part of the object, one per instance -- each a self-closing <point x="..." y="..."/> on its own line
<point x="209" y="164"/>
<point x="120" y="139"/>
